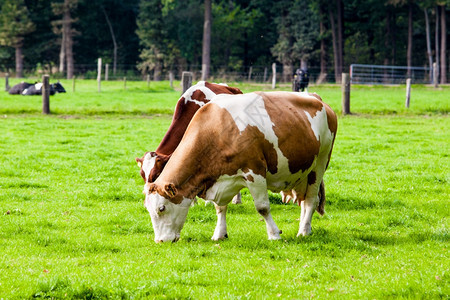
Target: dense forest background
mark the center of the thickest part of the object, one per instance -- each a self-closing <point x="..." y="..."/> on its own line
<point x="66" y="37"/>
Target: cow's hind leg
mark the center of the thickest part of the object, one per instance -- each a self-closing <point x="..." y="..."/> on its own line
<point x="237" y="199"/>
<point x="311" y="202"/>
<point x="308" y="206"/>
<point x="220" y="232"/>
<point x="258" y="189"/>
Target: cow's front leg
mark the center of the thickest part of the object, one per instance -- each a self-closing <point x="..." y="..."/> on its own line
<point x="308" y="206"/>
<point x="220" y="232"/>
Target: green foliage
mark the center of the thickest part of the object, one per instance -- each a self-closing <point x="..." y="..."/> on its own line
<point x="73" y="223"/>
<point x="298" y="29"/>
<point x="15" y="23"/>
<point x="154" y="31"/>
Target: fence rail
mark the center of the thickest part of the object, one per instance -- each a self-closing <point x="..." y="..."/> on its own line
<point x="380" y="74"/>
<point x="359" y="73"/>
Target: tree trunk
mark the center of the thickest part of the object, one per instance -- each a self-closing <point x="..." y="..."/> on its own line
<point x="62" y="53"/>
<point x="287" y="72"/>
<point x="67" y="28"/>
<point x="410" y="41"/>
<point x="436" y="42"/>
<point x="335" y="47"/>
<point x="323" y="53"/>
<point x="157" y="71"/>
<point x="443" y="46"/>
<point x="206" y="58"/>
<point x="393" y="39"/>
<point x="340" y="42"/>
<point x="427" y="31"/>
<point x="19" y="62"/>
<point x="113" y="37"/>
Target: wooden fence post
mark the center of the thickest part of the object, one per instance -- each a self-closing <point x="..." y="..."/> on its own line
<point x="274" y="76"/>
<point x="148" y="80"/>
<point x="250" y="73"/>
<point x="99" y="74"/>
<point x="73" y="84"/>
<point x="265" y="74"/>
<point x="106" y="72"/>
<point x="186" y="81"/>
<point x="7" y="87"/>
<point x="171" y="79"/>
<point x="345" y="93"/>
<point x="408" y="92"/>
<point x="46" y="94"/>
<point x="435" y="75"/>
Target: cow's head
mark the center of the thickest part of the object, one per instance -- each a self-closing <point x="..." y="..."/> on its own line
<point x="167" y="209"/>
<point x="152" y="165"/>
<point x="58" y="88"/>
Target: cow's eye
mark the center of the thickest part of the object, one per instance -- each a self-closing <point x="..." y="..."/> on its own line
<point x="162" y="208"/>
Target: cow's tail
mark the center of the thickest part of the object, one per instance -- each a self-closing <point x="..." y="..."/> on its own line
<point x="321" y="207"/>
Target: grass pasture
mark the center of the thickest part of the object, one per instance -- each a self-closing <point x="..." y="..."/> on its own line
<point x="73" y="225"/>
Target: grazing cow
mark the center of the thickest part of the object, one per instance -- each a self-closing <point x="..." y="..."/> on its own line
<point x="36" y="89"/>
<point x="188" y="104"/>
<point x="281" y="141"/>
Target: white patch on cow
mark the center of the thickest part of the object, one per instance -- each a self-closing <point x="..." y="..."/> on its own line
<point x="319" y="125"/>
<point x="225" y="188"/>
<point x="24" y="92"/>
<point x="38" y="86"/>
<point x="199" y="86"/>
<point x="318" y="122"/>
<point x="247" y="110"/>
<point x="148" y="164"/>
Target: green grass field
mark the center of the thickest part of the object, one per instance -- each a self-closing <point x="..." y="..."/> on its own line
<point x="73" y="224"/>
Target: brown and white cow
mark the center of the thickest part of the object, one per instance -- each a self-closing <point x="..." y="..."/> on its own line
<point x="281" y="141"/>
<point x="194" y="98"/>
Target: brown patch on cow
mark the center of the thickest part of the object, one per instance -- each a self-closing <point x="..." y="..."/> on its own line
<point x="257" y="139"/>
<point x="181" y="118"/>
<point x="250" y="178"/>
<point x="287" y="111"/>
<point x="198" y="95"/>
<point x="311" y="178"/>
<point x="160" y="162"/>
<point x="222" y="89"/>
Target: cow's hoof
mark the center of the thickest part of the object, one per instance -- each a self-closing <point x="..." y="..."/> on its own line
<point x="220" y="238"/>
<point x="304" y="232"/>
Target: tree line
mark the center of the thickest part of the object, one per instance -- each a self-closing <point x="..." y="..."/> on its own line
<point x="220" y="36"/>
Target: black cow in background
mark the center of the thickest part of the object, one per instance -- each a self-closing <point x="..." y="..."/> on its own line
<point x="19" y="88"/>
<point x="301" y="80"/>
<point x="30" y="89"/>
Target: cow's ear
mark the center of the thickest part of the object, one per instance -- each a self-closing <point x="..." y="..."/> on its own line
<point x="139" y="162"/>
<point x="149" y="188"/>
<point x="170" y="190"/>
